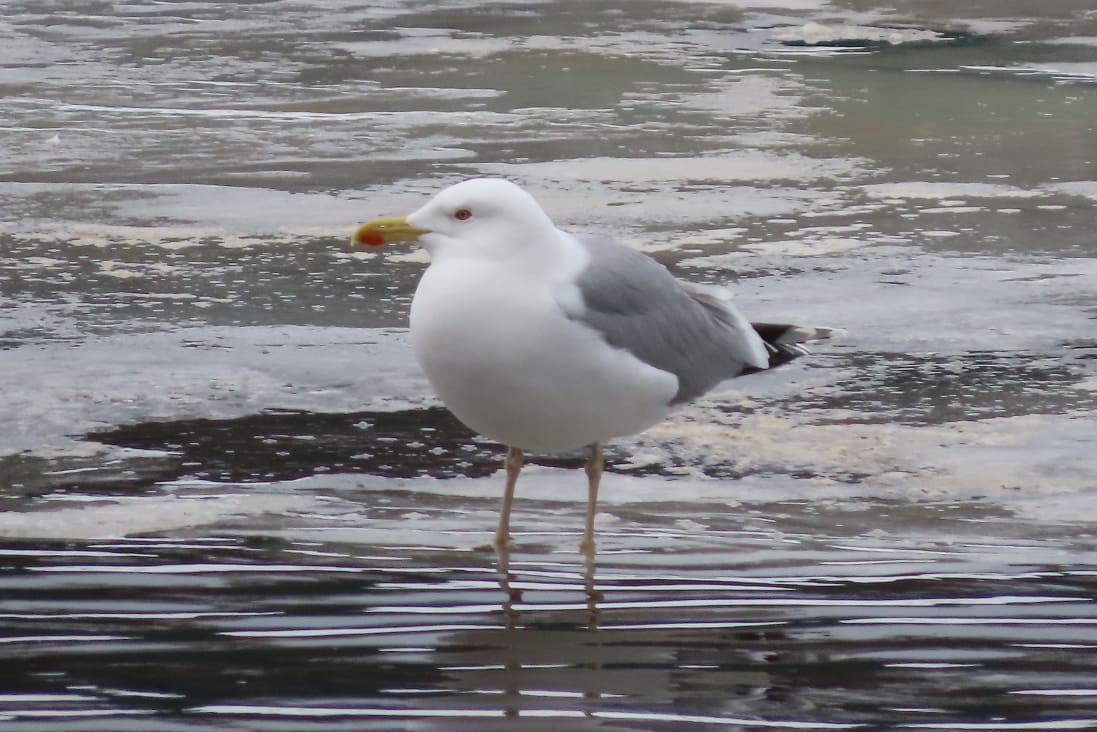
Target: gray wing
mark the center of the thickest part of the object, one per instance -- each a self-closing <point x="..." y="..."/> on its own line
<point x="691" y="331"/>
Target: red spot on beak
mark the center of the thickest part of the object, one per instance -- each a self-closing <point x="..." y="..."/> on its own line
<point x="370" y="238"/>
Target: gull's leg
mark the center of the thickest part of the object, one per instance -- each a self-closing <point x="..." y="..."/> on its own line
<point x="594" y="477"/>
<point x="513" y="465"/>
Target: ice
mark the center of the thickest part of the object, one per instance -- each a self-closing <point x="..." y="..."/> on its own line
<point x="56" y="392"/>
<point x="134" y="516"/>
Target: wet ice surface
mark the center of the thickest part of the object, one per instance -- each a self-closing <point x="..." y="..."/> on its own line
<point x="228" y="499"/>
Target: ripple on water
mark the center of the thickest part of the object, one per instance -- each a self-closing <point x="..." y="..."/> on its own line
<point x="811" y="557"/>
<point x="749" y="636"/>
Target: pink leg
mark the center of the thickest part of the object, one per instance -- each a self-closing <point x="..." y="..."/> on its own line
<point x="594" y="477"/>
<point x="513" y="465"/>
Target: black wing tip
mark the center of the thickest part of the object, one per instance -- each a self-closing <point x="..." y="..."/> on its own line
<point x="784" y="342"/>
<point x="777" y="334"/>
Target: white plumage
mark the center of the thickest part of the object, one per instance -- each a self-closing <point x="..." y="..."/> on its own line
<point x="544" y="341"/>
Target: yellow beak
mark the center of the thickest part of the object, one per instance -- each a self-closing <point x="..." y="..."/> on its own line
<point x="385" y="231"/>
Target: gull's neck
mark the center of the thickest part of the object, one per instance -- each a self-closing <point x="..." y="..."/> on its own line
<point x="557" y="258"/>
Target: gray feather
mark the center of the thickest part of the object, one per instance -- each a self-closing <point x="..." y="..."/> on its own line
<point x="688" y="330"/>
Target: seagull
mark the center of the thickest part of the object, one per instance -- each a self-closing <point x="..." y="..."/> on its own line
<point x="546" y="341"/>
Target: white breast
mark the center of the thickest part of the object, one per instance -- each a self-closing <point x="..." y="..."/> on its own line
<point x="512" y="366"/>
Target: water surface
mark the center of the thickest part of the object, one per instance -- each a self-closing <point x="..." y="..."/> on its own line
<point x="228" y="499"/>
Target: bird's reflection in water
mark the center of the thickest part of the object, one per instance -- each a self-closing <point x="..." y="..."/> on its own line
<point x="593" y="596"/>
<point x="513" y="667"/>
<point x="593" y="593"/>
<point x="512" y="595"/>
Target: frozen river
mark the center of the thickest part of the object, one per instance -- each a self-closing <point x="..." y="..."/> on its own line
<point x="228" y="499"/>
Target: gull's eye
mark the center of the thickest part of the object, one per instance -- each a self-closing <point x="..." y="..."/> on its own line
<point x="462" y="214"/>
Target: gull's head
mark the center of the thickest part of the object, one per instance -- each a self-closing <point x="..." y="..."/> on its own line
<point x="483" y="217"/>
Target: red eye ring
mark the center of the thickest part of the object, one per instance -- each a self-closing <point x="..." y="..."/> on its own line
<point x="462" y="214"/>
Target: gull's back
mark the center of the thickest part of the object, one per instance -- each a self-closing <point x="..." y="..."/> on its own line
<point x="691" y="331"/>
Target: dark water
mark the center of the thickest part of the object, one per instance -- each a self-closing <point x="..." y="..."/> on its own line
<point x="887" y="620"/>
<point x="228" y="499"/>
